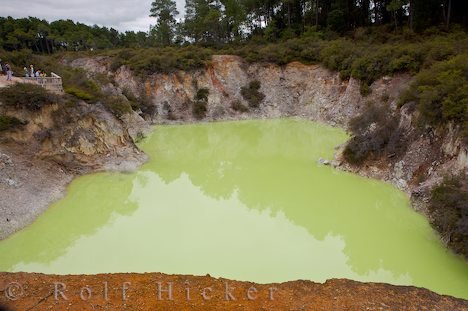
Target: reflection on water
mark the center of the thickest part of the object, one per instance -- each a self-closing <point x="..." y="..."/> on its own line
<point x="242" y="200"/>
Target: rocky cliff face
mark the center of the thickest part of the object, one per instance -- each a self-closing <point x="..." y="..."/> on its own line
<point x="57" y="144"/>
<point x="307" y="91"/>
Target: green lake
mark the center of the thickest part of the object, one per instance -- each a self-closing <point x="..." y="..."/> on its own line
<point x="242" y="200"/>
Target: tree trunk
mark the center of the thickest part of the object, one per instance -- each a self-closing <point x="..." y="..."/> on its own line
<point x="449" y="12"/>
<point x="410" y="19"/>
<point x="316" y="14"/>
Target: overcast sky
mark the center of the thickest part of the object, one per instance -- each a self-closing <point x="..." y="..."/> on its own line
<point x="121" y="14"/>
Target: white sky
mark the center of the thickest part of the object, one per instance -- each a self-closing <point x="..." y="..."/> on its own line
<point x="121" y="14"/>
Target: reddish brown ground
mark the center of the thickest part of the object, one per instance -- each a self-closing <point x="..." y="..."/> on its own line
<point x="36" y="292"/>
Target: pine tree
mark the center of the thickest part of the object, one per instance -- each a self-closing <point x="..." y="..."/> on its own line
<point x="165" y="12"/>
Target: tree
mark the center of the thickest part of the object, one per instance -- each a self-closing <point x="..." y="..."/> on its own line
<point x="234" y="16"/>
<point x="394" y="6"/>
<point x="425" y="13"/>
<point x="165" y="12"/>
<point x="203" y="21"/>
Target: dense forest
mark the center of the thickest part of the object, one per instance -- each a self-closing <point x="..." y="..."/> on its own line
<point x="218" y="22"/>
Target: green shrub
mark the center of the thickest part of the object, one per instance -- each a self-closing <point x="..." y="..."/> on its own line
<point x="117" y="105"/>
<point x="199" y="108"/>
<point x="18" y="59"/>
<point x="202" y="94"/>
<point x="75" y="80"/>
<point x="364" y="89"/>
<point x="121" y="58"/>
<point x="9" y="123"/>
<point x="449" y="208"/>
<point x="76" y="83"/>
<point x="238" y="106"/>
<point x="26" y="95"/>
<point x="367" y="56"/>
<point x="166" y="59"/>
<point x="133" y="100"/>
<point x="102" y="78"/>
<point x="78" y="93"/>
<point x="252" y="94"/>
<point x="129" y="94"/>
<point x="441" y="92"/>
<point x="339" y="55"/>
<point x="375" y="132"/>
<point x="200" y="103"/>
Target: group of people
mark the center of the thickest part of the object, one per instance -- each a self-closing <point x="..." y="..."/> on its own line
<point x="31" y="73"/>
<point x="6" y="69"/>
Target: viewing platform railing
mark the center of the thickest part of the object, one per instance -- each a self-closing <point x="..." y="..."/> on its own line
<point x="53" y="83"/>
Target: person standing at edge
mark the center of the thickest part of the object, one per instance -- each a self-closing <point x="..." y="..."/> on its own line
<point x="31" y="69"/>
<point x="9" y="72"/>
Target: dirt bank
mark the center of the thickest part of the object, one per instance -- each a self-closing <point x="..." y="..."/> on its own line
<point x="141" y="292"/>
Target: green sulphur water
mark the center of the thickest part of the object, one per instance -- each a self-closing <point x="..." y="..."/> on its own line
<point x="241" y="200"/>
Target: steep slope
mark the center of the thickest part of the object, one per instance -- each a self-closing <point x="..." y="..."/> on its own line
<point x="58" y="143"/>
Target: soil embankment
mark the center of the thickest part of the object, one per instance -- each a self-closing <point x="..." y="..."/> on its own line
<point x="151" y="292"/>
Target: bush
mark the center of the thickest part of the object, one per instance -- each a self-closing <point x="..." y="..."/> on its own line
<point x="166" y="59"/>
<point x="199" y="109"/>
<point x="375" y="132"/>
<point x="339" y="55"/>
<point x="441" y="92"/>
<point x="238" y="106"/>
<point x="449" y="209"/>
<point x="117" y="105"/>
<point x="77" y="83"/>
<point x="26" y="95"/>
<point x="200" y="103"/>
<point x="78" y="93"/>
<point x="9" y="123"/>
<point x="252" y="94"/>
<point x="18" y="59"/>
<point x="202" y="94"/>
<point x="364" y="89"/>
